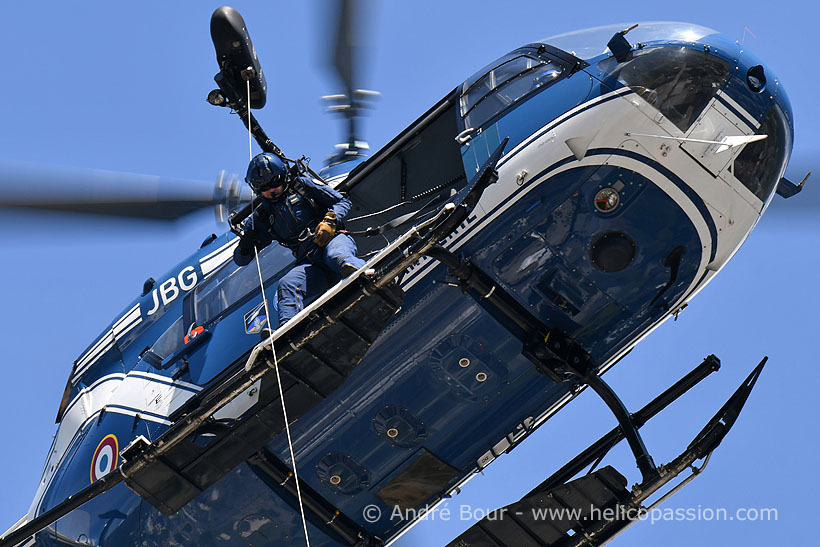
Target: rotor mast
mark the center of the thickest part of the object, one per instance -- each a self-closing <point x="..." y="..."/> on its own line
<point x="346" y="60"/>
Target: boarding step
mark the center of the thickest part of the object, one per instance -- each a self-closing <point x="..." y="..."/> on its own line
<point x="330" y="344"/>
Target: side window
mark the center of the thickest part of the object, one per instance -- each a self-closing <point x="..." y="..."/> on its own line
<point x="677" y="81"/>
<point x="232" y="283"/>
<point x="504" y="85"/>
<point x="760" y="164"/>
<point x="169" y="341"/>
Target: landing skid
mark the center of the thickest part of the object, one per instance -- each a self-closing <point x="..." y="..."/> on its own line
<point x="595" y="508"/>
<point x="557" y="355"/>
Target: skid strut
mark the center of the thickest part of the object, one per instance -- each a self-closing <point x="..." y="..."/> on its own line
<point x="552" y="352"/>
<point x="595" y="508"/>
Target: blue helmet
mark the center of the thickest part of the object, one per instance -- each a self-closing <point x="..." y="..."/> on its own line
<point x="266" y="171"/>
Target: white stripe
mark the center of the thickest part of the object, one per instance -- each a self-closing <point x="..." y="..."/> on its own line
<point x="126" y="412"/>
<point x="91" y="359"/>
<point x="88" y="389"/>
<point x="557" y="121"/>
<point x="120" y="335"/>
<point x="96" y="352"/>
<point x="108" y="337"/>
<point x="127" y="317"/>
<point x="120" y="328"/>
<point x="219" y="250"/>
<point x="164" y="380"/>
<point x="127" y="323"/>
<point x="213" y="263"/>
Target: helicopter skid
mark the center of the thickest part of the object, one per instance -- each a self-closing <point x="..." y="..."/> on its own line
<point x="597" y="507"/>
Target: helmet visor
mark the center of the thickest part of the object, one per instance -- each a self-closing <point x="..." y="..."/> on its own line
<point x="260" y="186"/>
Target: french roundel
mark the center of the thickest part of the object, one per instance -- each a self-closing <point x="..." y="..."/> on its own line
<point x="105" y="457"/>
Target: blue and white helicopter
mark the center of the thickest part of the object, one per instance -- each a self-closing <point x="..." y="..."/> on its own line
<point x="522" y="236"/>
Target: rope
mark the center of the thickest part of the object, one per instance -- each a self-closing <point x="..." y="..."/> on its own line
<point x="273" y="350"/>
<point x="250" y="133"/>
<point x="379" y="212"/>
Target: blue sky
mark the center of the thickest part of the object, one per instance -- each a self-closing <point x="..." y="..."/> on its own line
<point x="122" y="87"/>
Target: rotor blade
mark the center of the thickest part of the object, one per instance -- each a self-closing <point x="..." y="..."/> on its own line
<point x="345" y="51"/>
<point x="349" y="32"/>
<point x="108" y="193"/>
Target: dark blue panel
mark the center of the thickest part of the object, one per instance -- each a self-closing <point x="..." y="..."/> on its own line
<point x="543" y="257"/>
<point x="110" y="519"/>
<point x="461" y="415"/>
<point x="228" y="341"/>
<point x="239" y="510"/>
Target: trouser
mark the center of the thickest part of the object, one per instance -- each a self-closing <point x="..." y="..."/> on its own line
<point x="311" y="277"/>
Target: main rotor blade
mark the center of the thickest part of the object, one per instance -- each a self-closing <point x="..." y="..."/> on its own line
<point x="108" y="193"/>
<point x="345" y="55"/>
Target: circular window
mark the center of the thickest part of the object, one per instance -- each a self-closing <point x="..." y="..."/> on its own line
<point x="612" y="252"/>
<point x="607" y="199"/>
<point x="756" y="78"/>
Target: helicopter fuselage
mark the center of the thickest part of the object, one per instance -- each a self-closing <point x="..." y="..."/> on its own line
<point x="626" y="185"/>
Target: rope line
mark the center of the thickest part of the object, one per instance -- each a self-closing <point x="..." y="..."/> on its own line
<point x="273" y="349"/>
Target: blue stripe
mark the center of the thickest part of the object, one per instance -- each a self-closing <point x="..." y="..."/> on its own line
<point x="163" y="380"/>
<point x="89" y="390"/>
<point x="138" y="411"/>
<point x="736" y="112"/>
<point x="555" y="124"/>
<point x="167" y="382"/>
<point x="677" y="181"/>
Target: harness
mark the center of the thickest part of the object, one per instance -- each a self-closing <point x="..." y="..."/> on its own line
<point x="297" y="188"/>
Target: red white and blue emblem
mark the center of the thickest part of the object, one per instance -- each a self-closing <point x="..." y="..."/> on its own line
<point x="105" y="458"/>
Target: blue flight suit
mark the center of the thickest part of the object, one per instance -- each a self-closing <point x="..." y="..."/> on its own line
<point x="290" y="220"/>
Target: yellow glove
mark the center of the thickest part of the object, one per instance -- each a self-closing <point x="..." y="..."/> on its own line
<point x="326" y="230"/>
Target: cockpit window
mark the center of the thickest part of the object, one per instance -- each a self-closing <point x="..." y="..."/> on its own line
<point x="231" y="283"/>
<point x="678" y="81"/>
<point x="761" y="163"/>
<point x="483" y="98"/>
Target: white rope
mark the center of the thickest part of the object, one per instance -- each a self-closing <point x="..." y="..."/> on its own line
<point x="250" y="141"/>
<point x="273" y="349"/>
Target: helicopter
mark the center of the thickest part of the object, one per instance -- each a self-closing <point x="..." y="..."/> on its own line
<point x="180" y="282"/>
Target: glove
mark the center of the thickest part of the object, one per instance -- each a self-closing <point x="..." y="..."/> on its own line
<point x="247" y="242"/>
<point x="326" y="230"/>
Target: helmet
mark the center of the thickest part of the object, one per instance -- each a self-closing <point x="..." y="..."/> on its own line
<point x="265" y="171"/>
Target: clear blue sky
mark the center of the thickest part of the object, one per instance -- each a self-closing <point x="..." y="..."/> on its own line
<point x="122" y="86"/>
